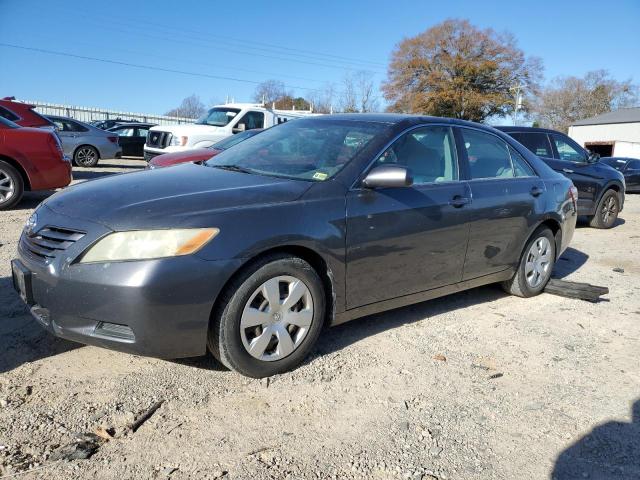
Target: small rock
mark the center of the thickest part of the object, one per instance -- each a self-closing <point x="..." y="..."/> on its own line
<point x="618" y="270"/>
<point x="435" y="451"/>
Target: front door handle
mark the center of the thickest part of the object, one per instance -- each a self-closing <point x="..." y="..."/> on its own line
<point x="536" y="191"/>
<point x="459" y="201"/>
<point x="567" y="170"/>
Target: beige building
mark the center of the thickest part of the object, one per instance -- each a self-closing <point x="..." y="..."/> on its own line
<point x="613" y="134"/>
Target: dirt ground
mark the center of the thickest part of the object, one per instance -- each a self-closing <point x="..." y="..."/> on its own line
<point x="478" y="385"/>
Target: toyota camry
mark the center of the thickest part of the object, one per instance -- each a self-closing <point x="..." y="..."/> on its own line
<point x="311" y="223"/>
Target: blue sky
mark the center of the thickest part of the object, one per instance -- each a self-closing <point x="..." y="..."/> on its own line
<point x="303" y="43"/>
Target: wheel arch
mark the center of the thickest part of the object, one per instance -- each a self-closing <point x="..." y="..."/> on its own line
<point x="317" y="261"/>
<point x="23" y="173"/>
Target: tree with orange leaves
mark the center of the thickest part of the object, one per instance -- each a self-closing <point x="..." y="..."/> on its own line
<point x="457" y="70"/>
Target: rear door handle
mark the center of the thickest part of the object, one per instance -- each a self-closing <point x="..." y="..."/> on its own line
<point x="567" y="170"/>
<point x="459" y="201"/>
<point x="536" y="191"/>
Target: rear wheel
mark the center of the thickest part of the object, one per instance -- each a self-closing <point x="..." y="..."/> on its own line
<point x="536" y="265"/>
<point x="269" y="318"/>
<point x="11" y="186"/>
<point x="607" y="211"/>
<point x="86" y="156"/>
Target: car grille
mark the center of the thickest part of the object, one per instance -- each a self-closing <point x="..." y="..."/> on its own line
<point x="48" y="242"/>
<point x="157" y="139"/>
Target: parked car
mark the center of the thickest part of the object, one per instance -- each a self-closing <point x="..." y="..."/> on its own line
<point x="629" y="167"/>
<point x="22" y="113"/>
<point x="107" y="124"/>
<point x="201" y="154"/>
<point x="310" y="223"/>
<point x="600" y="187"/>
<point x="30" y="159"/>
<point x="84" y="143"/>
<point x="131" y="137"/>
<point x="218" y="123"/>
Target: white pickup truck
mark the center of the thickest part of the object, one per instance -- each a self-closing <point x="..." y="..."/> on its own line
<point x="219" y="122"/>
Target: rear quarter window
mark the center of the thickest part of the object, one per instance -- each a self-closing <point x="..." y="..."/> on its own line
<point x="8" y="114"/>
<point x="536" y="142"/>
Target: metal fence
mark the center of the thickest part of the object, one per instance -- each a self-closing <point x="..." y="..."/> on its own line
<point x="87" y="114"/>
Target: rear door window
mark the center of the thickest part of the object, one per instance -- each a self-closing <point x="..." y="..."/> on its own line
<point x="488" y="155"/>
<point x="536" y="142"/>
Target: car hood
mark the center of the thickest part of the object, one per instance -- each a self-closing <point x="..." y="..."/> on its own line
<point x="190" y="129"/>
<point x="182" y="196"/>
<point x="196" y="155"/>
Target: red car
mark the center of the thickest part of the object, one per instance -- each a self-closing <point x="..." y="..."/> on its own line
<point x="30" y="159"/>
<point x="22" y="113"/>
<point x="201" y="154"/>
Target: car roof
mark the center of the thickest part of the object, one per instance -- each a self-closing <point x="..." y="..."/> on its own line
<point x="397" y="118"/>
<point x="516" y="128"/>
<point x="134" y="124"/>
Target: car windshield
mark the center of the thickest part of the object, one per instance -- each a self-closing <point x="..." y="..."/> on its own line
<point x="8" y="123"/>
<point x="233" y="140"/>
<point x="306" y="149"/>
<point x="218" y="117"/>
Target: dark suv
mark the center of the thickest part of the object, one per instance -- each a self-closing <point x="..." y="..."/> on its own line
<point x="600" y="187"/>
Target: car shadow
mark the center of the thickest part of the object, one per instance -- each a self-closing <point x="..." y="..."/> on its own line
<point x="341" y="336"/>
<point x="22" y="340"/>
<point x="31" y="200"/>
<point x="610" y="451"/>
<point x="583" y="222"/>
<point x="570" y="261"/>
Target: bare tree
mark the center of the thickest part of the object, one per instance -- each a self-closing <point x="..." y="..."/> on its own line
<point x="323" y="100"/>
<point x="568" y="99"/>
<point x="348" y="96"/>
<point x="357" y="93"/>
<point x="455" y="69"/>
<point x="270" y="92"/>
<point x="190" y="107"/>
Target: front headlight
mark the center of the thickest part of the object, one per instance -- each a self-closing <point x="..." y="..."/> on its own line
<point x="146" y="244"/>
<point x="177" y="141"/>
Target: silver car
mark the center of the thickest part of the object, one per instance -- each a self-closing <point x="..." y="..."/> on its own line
<point x="84" y="143"/>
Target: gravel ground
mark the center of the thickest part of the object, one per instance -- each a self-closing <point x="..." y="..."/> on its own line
<point x="478" y="385"/>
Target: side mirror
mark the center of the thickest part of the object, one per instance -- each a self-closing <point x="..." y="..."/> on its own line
<point x="241" y="127"/>
<point x="593" y="157"/>
<point x="388" y="176"/>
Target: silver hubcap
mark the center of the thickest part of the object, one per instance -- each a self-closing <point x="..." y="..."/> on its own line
<point x="609" y="210"/>
<point x="538" y="265"/>
<point x="7" y="187"/>
<point x="277" y="318"/>
<point x="86" y="155"/>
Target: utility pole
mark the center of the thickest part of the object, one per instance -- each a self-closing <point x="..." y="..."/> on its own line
<point x="518" y="93"/>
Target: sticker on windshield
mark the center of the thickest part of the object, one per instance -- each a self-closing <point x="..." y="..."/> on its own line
<point x="320" y="176"/>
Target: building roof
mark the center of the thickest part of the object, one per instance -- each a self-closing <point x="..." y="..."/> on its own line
<point x="624" y="115"/>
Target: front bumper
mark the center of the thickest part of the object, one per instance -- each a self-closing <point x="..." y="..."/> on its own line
<point x="159" y="308"/>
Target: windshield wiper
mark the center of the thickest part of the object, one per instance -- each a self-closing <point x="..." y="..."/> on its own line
<point x="233" y="168"/>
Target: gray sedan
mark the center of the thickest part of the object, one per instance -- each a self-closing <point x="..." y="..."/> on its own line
<point x="84" y="143"/>
<point x="310" y="223"/>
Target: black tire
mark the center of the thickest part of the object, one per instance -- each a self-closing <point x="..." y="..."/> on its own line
<point x="86" y="156"/>
<point x="518" y="285"/>
<point x="224" y="338"/>
<point x="607" y="210"/>
<point x="10" y="179"/>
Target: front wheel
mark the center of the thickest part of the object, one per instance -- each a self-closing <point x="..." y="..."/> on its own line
<point x="269" y="318"/>
<point x="536" y="265"/>
<point x="607" y="211"/>
<point x="86" y="156"/>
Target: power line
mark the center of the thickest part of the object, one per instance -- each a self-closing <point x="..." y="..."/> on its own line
<point x="147" y="67"/>
<point x="197" y="37"/>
